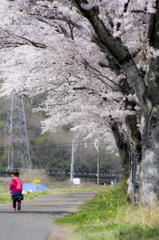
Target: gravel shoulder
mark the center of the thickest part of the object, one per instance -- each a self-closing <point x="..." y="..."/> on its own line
<point x="34" y="221"/>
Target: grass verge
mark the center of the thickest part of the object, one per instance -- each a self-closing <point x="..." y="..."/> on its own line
<point x="6" y="197"/>
<point x="108" y="216"/>
<point x="76" y="189"/>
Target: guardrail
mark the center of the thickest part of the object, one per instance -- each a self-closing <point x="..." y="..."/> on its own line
<point x="86" y="174"/>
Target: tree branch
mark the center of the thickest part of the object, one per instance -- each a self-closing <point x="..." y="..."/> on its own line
<point x="35" y="44"/>
<point x="96" y="70"/>
<point x="118" y="51"/>
<point x="65" y="19"/>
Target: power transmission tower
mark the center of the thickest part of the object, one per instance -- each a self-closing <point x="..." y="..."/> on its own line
<point x="16" y="136"/>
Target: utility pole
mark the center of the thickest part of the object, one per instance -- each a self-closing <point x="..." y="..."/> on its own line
<point x="74" y="147"/>
<point x="98" y="165"/>
<point x="97" y="147"/>
<point x="16" y="136"/>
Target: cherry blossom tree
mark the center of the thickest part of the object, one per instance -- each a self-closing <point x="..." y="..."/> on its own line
<point x="98" y="61"/>
<point x="29" y="54"/>
<point x="82" y="60"/>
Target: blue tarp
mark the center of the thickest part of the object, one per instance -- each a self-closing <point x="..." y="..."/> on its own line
<point x="32" y="187"/>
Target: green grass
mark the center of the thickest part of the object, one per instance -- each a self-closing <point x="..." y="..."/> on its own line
<point x="69" y="195"/>
<point x="6" y="197"/>
<point x="102" y="207"/>
<point x="76" y="189"/>
<point x="108" y="216"/>
<point x="30" y="196"/>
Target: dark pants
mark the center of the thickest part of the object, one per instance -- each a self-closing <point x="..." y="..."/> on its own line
<point x="17" y="197"/>
<point x="14" y="203"/>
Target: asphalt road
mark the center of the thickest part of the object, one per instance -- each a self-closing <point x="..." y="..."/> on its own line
<point x="33" y="222"/>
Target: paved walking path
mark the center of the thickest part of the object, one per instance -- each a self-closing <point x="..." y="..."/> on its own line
<point x="33" y="222"/>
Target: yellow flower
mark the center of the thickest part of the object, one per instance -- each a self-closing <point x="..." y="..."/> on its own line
<point x="107" y="202"/>
<point x="111" y="196"/>
<point x="103" y="197"/>
<point x="110" y="210"/>
<point x="98" y="220"/>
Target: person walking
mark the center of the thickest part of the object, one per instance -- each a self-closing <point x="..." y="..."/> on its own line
<point x="16" y="189"/>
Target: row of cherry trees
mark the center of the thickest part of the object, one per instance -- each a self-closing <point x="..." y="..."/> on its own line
<point x="98" y="63"/>
<point x="66" y="55"/>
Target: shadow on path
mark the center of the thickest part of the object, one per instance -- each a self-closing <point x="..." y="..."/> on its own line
<point x="36" y="212"/>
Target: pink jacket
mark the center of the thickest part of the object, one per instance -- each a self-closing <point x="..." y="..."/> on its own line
<point x="16" y="185"/>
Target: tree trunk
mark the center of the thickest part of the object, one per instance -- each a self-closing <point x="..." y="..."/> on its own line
<point x="149" y="171"/>
<point x="122" y="143"/>
<point x="136" y="142"/>
<point x="131" y="122"/>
